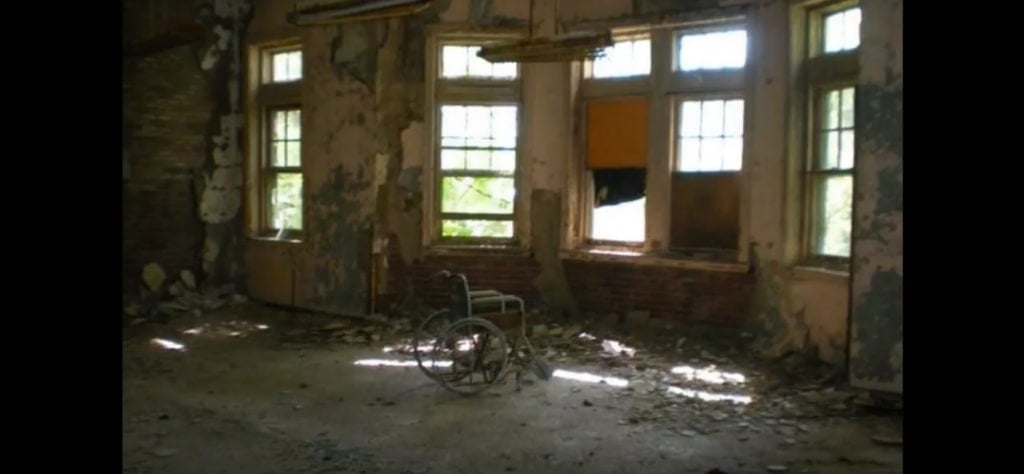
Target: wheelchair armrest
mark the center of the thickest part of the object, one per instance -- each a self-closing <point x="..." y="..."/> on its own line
<point x="484" y="293"/>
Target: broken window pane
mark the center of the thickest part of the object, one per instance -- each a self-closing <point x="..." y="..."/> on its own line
<point x="476" y="228"/>
<point x="286" y="201"/>
<point x="624" y="59"/>
<point x="834" y="211"/>
<point x="623" y="222"/>
<point x="619" y="211"/>
<point x="477" y="195"/>
<point x="716" y="50"/>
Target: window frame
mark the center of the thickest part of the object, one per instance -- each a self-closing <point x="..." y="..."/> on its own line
<point x="677" y="102"/>
<point x="264" y="98"/>
<point x="824" y="72"/>
<point x="468" y="91"/>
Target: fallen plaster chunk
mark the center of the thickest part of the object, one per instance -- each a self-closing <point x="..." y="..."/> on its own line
<point x="154" y="276"/>
<point x="188" y="279"/>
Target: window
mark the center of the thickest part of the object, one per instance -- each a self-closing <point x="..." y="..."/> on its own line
<point x="708" y="143"/>
<point x="477" y="147"/>
<point x="831" y="146"/>
<point x="832" y="173"/>
<point x="690" y="123"/>
<point x="478" y="164"/>
<point x="617" y="136"/>
<point x="283" y="172"/>
<point x="275" y="126"/>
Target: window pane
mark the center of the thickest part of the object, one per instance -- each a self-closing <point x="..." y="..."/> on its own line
<point x="711" y="154"/>
<point x="476" y="228"/>
<point x="829" y="154"/>
<point x="834" y="32"/>
<point x="733" y="154"/>
<point x="689" y="126"/>
<point x="831" y="110"/>
<point x="477" y="195"/>
<point x="734" y="118"/>
<point x="503" y="160"/>
<point x="453" y="125"/>
<point x="842" y="31"/>
<point x="286" y="201"/>
<point x="712" y="118"/>
<point x="279" y="154"/>
<point x="478" y="160"/>
<point x="851" y="29"/>
<point x="718" y="50"/>
<point x="846" y="113"/>
<point x="478" y="67"/>
<point x="294" y="153"/>
<point x="278" y="120"/>
<point x="453" y="61"/>
<point x="294" y="125"/>
<point x="834" y="213"/>
<point x="286" y="66"/>
<point x="689" y="155"/>
<point x="504" y="127"/>
<point x="624" y="59"/>
<point x="453" y="159"/>
<point x="295" y="65"/>
<point x="846" y="150"/>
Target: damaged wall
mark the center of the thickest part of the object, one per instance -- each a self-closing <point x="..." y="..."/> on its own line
<point x="365" y="150"/>
<point x="876" y="348"/>
<point x="167" y="102"/>
<point x="182" y="112"/>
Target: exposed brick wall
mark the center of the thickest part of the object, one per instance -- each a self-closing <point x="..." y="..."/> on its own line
<point x="669" y="293"/>
<point x="515" y="275"/>
<point x="168" y="105"/>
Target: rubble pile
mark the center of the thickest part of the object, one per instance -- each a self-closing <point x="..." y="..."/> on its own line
<point x="161" y="299"/>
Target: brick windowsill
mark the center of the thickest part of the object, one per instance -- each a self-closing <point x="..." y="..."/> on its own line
<point x="641" y="259"/>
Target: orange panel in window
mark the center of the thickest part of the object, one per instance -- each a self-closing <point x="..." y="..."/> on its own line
<point x="617" y="133"/>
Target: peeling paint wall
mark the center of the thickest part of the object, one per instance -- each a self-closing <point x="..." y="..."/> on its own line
<point x="219" y="184"/>
<point x="876" y="349"/>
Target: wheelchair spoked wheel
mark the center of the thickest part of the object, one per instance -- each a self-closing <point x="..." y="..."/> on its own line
<point x="472" y="356"/>
<point x="428" y="333"/>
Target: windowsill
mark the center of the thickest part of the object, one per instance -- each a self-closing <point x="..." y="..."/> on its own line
<point x="807" y="272"/>
<point x="271" y="239"/>
<point x="640" y="258"/>
<point x="448" y="250"/>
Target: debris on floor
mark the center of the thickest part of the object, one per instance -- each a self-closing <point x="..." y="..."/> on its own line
<point x="159" y="300"/>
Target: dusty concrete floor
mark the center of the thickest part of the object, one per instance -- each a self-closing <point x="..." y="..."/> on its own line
<point x="279" y="398"/>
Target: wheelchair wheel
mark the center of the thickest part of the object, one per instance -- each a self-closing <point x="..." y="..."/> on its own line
<point x="471" y="357"/>
<point x="432" y="329"/>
